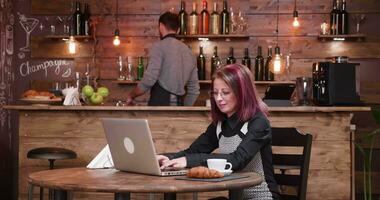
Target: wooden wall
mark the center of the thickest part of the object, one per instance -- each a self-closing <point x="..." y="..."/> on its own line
<point x="138" y="29"/>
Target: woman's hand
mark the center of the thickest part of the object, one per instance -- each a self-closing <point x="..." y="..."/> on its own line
<point x="161" y="159"/>
<point x="178" y="163"/>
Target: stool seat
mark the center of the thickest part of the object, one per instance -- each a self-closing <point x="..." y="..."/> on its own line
<point x="51" y="153"/>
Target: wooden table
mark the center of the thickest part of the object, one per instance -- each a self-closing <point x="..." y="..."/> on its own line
<point x="123" y="183"/>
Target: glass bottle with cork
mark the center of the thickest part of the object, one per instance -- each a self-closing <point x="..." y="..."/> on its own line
<point x="201" y="64"/>
<point x="140" y="68"/>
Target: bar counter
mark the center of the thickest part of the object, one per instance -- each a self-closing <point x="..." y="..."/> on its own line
<point x="331" y="173"/>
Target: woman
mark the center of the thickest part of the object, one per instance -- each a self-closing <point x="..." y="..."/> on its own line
<point x="239" y="130"/>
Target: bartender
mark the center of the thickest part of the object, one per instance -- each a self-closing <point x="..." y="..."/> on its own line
<point x="171" y="69"/>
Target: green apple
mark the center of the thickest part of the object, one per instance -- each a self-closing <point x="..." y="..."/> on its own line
<point x="96" y="98"/>
<point x="103" y="91"/>
<point x="88" y="91"/>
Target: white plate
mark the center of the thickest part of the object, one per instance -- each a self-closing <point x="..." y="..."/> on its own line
<point x="227" y="172"/>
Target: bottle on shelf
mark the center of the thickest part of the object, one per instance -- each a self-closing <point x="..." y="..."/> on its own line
<point x="334" y="18"/>
<point x="140" y="69"/>
<point x="231" y="59"/>
<point x="129" y="76"/>
<point x="246" y="59"/>
<point x="215" y="21"/>
<point x="86" y="20"/>
<point x="183" y="19"/>
<point x="215" y="61"/>
<point x="259" y="65"/>
<point x="344" y="19"/>
<point x="193" y="21"/>
<point x="201" y="64"/>
<point x="225" y="19"/>
<point x="268" y="75"/>
<point x="204" y="21"/>
<point x="77" y="20"/>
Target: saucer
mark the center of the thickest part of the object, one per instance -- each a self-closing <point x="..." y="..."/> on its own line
<point x="227" y="172"/>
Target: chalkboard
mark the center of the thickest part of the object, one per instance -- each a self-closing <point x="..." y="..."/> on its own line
<point x="48" y="69"/>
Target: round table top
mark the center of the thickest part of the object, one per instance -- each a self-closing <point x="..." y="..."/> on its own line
<point x="114" y="181"/>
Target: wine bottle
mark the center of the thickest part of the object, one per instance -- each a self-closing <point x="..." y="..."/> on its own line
<point x="204" y="22"/>
<point x="193" y="21"/>
<point x="77" y="20"/>
<point x="201" y="64"/>
<point x="215" y="21"/>
<point x="231" y="59"/>
<point x="259" y="65"/>
<point x="225" y="19"/>
<point x="246" y="59"/>
<point x="215" y="61"/>
<point x="86" y="20"/>
<point x="344" y="18"/>
<point x="183" y="19"/>
<point x="334" y="19"/>
<point x="268" y="75"/>
<point x="140" y="68"/>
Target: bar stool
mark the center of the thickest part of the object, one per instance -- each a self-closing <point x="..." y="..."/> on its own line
<point x="51" y="154"/>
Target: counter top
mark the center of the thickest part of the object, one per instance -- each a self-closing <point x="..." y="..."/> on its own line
<point x="182" y="108"/>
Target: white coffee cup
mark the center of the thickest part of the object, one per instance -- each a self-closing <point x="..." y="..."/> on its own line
<point x="219" y="164"/>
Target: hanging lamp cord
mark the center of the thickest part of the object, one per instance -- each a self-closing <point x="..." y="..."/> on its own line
<point x="117" y="14"/>
<point x="278" y="10"/>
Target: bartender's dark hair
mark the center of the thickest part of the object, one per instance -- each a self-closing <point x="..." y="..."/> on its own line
<point x="169" y="20"/>
<point x="239" y="78"/>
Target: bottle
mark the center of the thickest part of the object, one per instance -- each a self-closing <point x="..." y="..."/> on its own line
<point x="121" y="68"/>
<point x="129" y="76"/>
<point x="215" y="21"/>
<point x="201" y="64"/>
<point x="86" y="20"/>
<point x="268" y="75"/>
<point x="246" y="59"/>
<point x="183" y="19"/>
<point x="77" y="20"/>
<point x="231" y="59"/>
<point x="140" y="68"/>
<point x="344" y="18"/>
<point x="193" y="21"/>
<point x="225" y="19"/>
<point x="215" y="61"/>
<point x="204" y="21"/>
<point x="259" y="65"/>
<point x="334" y="18"/>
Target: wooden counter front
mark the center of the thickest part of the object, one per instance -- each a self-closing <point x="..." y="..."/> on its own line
<point x="173" y="128"/>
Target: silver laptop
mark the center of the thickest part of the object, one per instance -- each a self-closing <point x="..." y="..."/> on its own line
<point x="132" y="147"/>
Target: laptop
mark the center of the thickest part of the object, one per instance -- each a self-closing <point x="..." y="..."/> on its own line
<point x="132" y="148"/>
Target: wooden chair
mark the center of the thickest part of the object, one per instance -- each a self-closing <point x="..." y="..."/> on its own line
<point x="294" y="168"/>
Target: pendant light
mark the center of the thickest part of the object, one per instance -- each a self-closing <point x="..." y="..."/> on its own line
<point x="116" y="39"/>
<point x="71" y="43"/>
<point x="296" y="23"/>
<point x="277" y="64"/>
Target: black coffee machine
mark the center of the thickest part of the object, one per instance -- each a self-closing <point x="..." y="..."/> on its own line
<point x="335" y="84"/>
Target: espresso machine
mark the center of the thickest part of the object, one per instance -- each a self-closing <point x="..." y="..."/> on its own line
<point x="335" y="84"/>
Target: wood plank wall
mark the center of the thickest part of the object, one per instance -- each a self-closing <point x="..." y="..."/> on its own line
<point x="138" y="29"/>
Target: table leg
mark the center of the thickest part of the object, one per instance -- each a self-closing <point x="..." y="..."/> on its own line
<point x="122" y="196"/>
<point x="60" y="194"/>
<point x="30" y="192"/>
<point x="170" y="196"/>
<point x="235" y="194"/>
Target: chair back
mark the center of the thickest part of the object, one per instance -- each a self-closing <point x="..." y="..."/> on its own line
<point x="289" y="163"/>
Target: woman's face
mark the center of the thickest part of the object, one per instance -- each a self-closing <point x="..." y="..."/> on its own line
<point x="224" y="97"/>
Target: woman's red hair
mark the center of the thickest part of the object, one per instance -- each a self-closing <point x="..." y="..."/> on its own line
<point x="239" y="78"/>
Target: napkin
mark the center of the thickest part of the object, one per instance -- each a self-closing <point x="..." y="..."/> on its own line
<point x="71" y="97"/>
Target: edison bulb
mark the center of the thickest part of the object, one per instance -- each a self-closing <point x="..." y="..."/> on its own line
<point x="276" y="65"/>
<point x="116" y="40"/>
<point x="72" y="45"/>
<point x="296" y="23"/>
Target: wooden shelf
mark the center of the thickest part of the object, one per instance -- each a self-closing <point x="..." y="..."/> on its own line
<point x="350" y="37"/>
<point x="66" y="37"/>
<point x="208" y="82"/>
<point x="124" y="82"/>
<point x="213" y="37"/>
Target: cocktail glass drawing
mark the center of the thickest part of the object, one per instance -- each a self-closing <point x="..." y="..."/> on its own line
<point x="28" y="24"/>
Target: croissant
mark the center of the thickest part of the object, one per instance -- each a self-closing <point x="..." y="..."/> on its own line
<point x="203" y="172"/>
